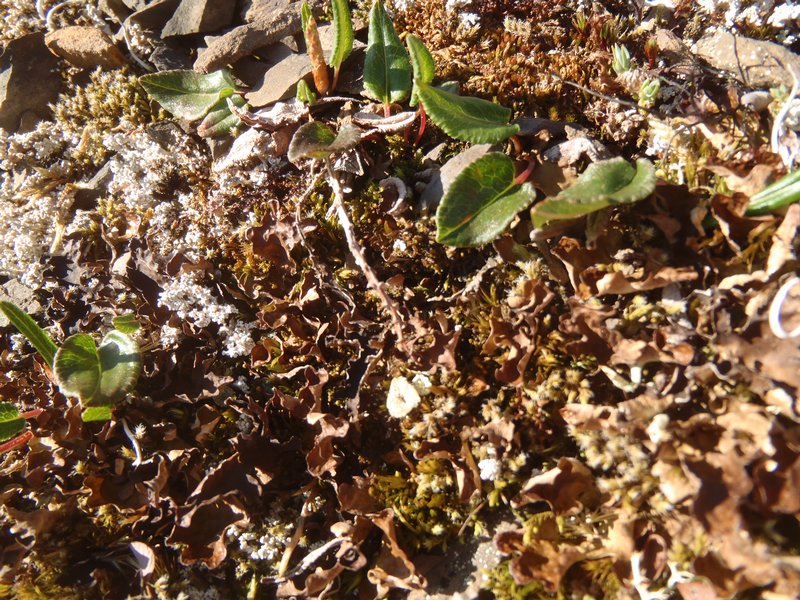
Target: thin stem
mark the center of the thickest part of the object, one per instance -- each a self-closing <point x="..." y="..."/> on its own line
<point x="776" y="307"/>
<point x="21" y="439"/>
<point x="523" y="177"/>
<point x="32" y="413"/>
<point x="358" y="255"/>
<point x="423" y="120"/>
<point x="777" y="125"/>
<point x="134" y="442"/>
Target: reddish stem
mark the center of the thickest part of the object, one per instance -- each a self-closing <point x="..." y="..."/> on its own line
<point x="32" y="413"/>
<point x="423" y="120"/>
<point x="387" y="110"/>
<point x="517" y="144"/>
<point x="523" y="177"/>
<point x="20" y="440"/>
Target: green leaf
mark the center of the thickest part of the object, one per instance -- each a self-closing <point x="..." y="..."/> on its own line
<point x="603" y="184"/>
<point x="305" y="94"/>
<point x="481" y="202"/>
<point x="782" y="193"/>
<point x="37" y="336"/>
<point x="464" y="118"/>
<point x="98" y="376"/>
<point x="387" y="71"/>
<point x="186" y="94"/>
<point x="305" y="15"/>
<point x="220" y="120"/>
<point x="317" y="140"/>
<point x="120" y="364"/>
<point x="126" y="323"/>
<point x="11" y="421"/>
<point x="422" y="64"/>
<point x="77" y="367"/>
<point x="342" y="33"/>
<point x="96" y="413"/>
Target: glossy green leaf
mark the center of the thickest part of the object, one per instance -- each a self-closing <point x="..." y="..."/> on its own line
<point x="98" y="376"/>
<point x="604" y="183"/>
<point x="186" y="94"/>
<point x="342" y="33"/>
<point x="387" y="70"/>
<point x="220" y="120"/>
<point x="120" y="364"/>
<point x="11" y="421"/>
<point x="464" y="118"/>
<point x="317" y="140"/>
<point x="77" y="367"/>
<point x="422" y="65"/>
<point x="96" y="413"/>
<point x="37" y="336"/>
<point x="126" y="323"/>
<point x="481" y="202"/>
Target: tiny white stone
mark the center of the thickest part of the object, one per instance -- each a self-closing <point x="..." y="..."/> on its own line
<point x="402" y="399"/>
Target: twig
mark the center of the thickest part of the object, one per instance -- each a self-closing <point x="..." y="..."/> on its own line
<point x="358" y="255"/>
<point x="134" y="442"/>
<point x="134" y="56"/>
<point x="322" y="272"/>
<point x="777" y="125"/>
<point x="50" y="18"/>
<point x="775" y="311"/>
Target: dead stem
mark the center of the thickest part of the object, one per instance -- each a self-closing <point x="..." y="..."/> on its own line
<point x="358" y="255"/>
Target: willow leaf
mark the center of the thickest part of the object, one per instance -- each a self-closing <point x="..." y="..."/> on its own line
<point x="27" y="326"/>
<point x="469" y="119"/>
<point x="342" y="33"/>
<point x="422" y="64"/>
<point x="387" y="70"/>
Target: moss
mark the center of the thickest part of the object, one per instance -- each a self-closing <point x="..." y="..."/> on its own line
<point x="111" y="101"/>
<point x="501" y="583"/>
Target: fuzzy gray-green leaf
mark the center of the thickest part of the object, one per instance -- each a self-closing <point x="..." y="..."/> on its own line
<point x="481" y="202"/>
<point x="343" y="33"/>
<point x="387" y="70"/>
<point x="186" y="94"/>
<point x="220" y="120"/>
<point x="469" y="119"/>
<point x="77" y="367"/>
<point x="422" y="64"/>
<point x="317" y="140"/>
<point x="11" y="421"/>
<point x="27" y="326"/>
<point x="603" y="184"/>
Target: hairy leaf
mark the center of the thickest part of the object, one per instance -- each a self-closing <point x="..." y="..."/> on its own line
<point x="186" y="94"/>
<point x="77" y="367"/>
<point x="343" y="33"/>
<point x="37" y="336"/>
<point x="11" y="421"/>
<point x="387" y="70"/>
<point x="603" y="184"/>
<point x="126" y="323"/>
<point x="98" y="376"/>
<point x="470" y="119"/>
<point x="317" y="140"/>
<point x="481" y="202"/>
<point x="319" y="70"/>
<point x="220" y="120"/>
<point x="120" y="364"/>
<point x="422" y="64"/>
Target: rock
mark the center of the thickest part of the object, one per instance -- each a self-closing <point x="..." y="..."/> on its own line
<point x="116" y="9"/>
<point x="198" y="16"/>
<point x="755" y="63"/>
<point x="29" y="79"/>
<point x="85" y="47"/>
<point x="280" y="80"/>
<point x="155" y="15"/>
<point x="14" y="291"/>
<point x="268" y="27"/>
<point x="671" y="46"/>
<point x="165" y="57"/>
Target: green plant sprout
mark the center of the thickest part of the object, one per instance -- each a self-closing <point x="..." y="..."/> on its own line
<point x="621" y="61"/>
<point x="12" y="422"/>
<point x="98" y="376"/>
<point x="775" y="196"/>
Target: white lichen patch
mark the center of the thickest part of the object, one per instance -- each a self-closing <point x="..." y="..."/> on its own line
<point x="403" y="397"/>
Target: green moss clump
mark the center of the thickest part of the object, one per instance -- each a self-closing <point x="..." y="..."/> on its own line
<point x="112" y="101"/>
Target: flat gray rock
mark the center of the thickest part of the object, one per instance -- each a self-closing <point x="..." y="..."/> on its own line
<point x="14" y="291"/>
<point x="29" y="79"/>
<point x="755" y="63"/>
<point x="199" y="16"/>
